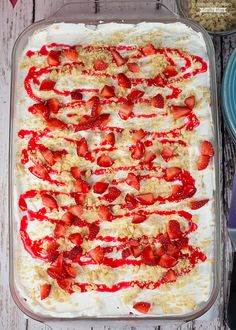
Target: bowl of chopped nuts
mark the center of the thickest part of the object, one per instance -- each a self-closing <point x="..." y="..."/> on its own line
<point x="217" y="17"/>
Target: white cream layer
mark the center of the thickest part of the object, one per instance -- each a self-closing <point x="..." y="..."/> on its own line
<point x="196" y="286"/>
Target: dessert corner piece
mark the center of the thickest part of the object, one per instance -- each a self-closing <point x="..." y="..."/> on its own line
<point x="115" y="166"/>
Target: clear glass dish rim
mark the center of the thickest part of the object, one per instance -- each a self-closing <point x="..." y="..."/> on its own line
<point x="217" y="237"/>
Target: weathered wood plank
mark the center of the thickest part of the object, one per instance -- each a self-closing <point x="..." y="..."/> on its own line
<point x="46" y="8"/>
<point x="12" y="22"/>
<point x="228" y="45"/>
<point x="229" y="157"/>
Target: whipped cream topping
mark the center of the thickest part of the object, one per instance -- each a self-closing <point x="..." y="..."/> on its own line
<point x="192" y="284"/>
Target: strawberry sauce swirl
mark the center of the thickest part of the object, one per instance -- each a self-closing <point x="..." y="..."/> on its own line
<point x="166" y="249"/>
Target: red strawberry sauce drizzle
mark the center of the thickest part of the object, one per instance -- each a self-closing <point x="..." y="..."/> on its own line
<point x="34" y="74"/>
<point x="34" y="248"/>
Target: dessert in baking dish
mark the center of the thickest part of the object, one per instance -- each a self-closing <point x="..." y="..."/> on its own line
<point x="114" y="169"/>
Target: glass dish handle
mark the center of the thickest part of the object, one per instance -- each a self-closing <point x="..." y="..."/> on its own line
<point x="71" y="11"/>
<point x="113" y="10"/>
<point x="171" y="12"/>
<point x="100" y="323"/>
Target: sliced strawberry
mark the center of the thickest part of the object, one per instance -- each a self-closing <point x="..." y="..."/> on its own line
<point x="53" y="57"/>
<point x="126" y="253"/>
<point x="137" y="151"/>
<point x="126" y="109"/>
<point x="170" y="71"/>
<point x="133" y="67"/>
<point x="190" y="102"/>
<point x="102" y="120"/>
<point x="157" y="101"/>
<point x="113" y="194"/>
<point x="159" y="251"/>
<point x="100" y="65"/>
<point x="172" y="173"/>
<point x="148" y="257"/>
<point x="182" y="243"/>
<point x="82" y="186"/>
<point x="97" y="254"/>
<point x="76" y="210"/>
<point x="93" y="230"/>
<point x="167" y="261"/>
<point x="52" y="246"/>
<point x="65" y="284"/>
<point x="134" y="242"/>
<point x="74" y="253"/>
<point x="176" y="189"/>
<point x="75" y="172"/>
<point x="57" y="273"/>
<point x="93" y="122"/>
<point x="135" y="94"/>
<point x="136" y="251"/>
<point x="119" y="60"/>
<point x="179" y="112"/>
<point x="149" y="157"/>
<point x="94" y="105"/>
<point x="132" y="180"/>
<point x="170" y="276"/>
<point x="59" y="230"/>
<point x="138" y="218"/>
<point x="57" y="155"/>
<point x="173" y="229"/>
<point x="142" y="307"/>
<point x="146" y="199"/>
<point x="172" y="251"/>
<point x="76" y="238"/>
<point x="167" y="153"/>
<point x="188" y="191"/>
<point x="107" y="92"/>
<point x="100" y="187"/>
<point x="131" y="202"/>
<point x="71" y="54"/>
<point x="197" y="204"/>
<point x="52" y="256"/>
<point x="158" y="81"/>
<point x="148" y="50"/>
<point x="54" y="124"/>
<point x="39" y="171"/>
<point x="47" y="85"/>
<point x="45" y="290"/>
<point x="104" y="213"/>
<point x="202" y="162"/>
<point x="76" y="95"/>
<point x="68" y="218"/>
<point x="72" y="272"/>
<point x="206" y="148"/>
<point x="40" y="109"/>
<point x="80" y="198"/>
<point x="138" y="135"/>
<point x="48" y="156"/>
<point x="109" y="139"/>
<point x="58" y="262"/>
<point x="53" y="105"/>
<point x="104" y="161"/>
<point x="49" y="201"/>
<point x="82" y="147"/>
<point x="164" y="239"/>
<point x="123" y="80"/>
<point x="85" y="124"/>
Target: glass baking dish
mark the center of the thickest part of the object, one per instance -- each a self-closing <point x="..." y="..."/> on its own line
<point x="124" y="12"/>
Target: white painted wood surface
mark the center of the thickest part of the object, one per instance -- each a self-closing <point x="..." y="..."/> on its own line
<point x="12" y="22"/>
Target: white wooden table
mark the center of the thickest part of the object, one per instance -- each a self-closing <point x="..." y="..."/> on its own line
<point x="12" y="22"/>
